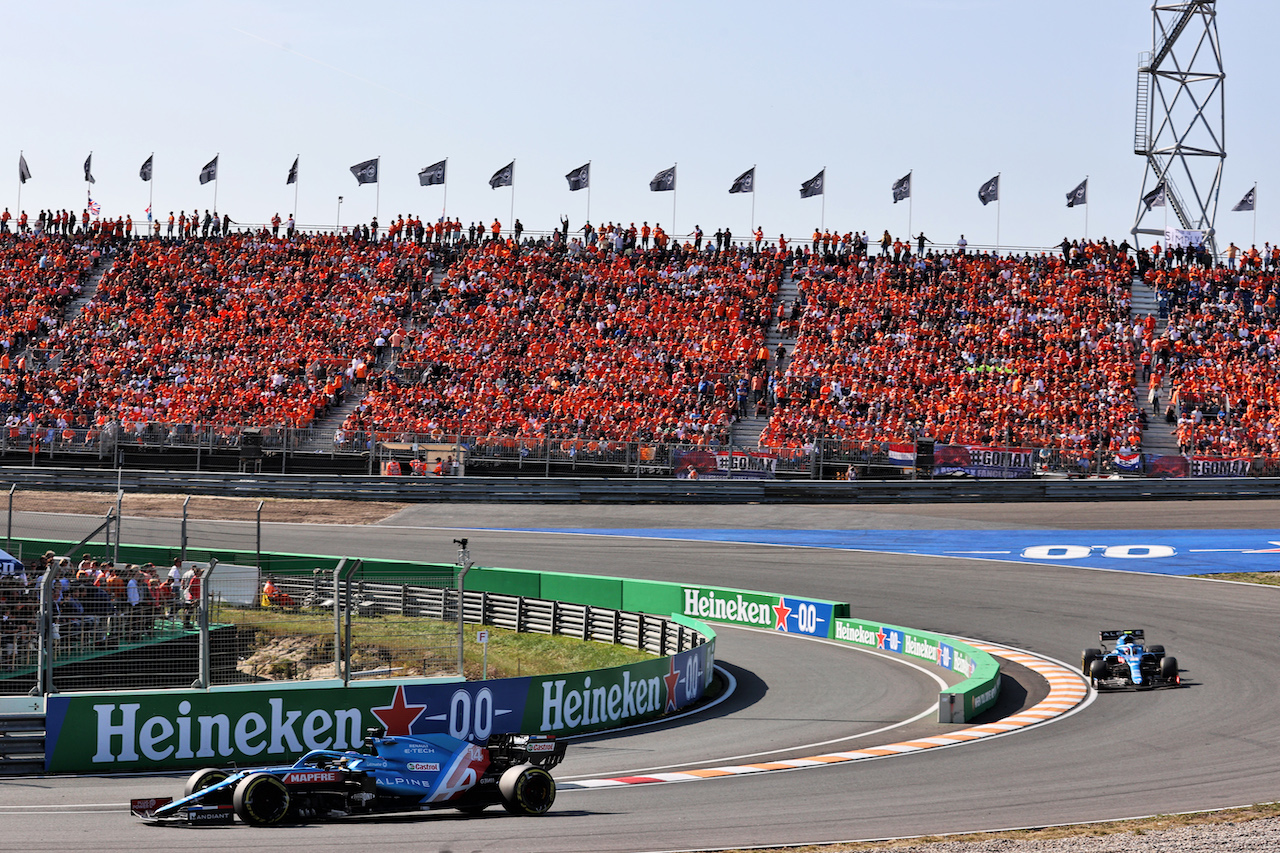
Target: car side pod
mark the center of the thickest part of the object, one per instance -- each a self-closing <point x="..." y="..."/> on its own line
<point x="527" y="790"/>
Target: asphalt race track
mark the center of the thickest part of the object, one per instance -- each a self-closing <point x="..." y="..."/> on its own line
<point x="1213" y="743"/>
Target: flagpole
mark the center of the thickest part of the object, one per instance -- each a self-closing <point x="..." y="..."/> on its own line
<point x="753" y="199"/>
<point x="296" y="158"/>
<point x="588" y="196"/>
<point x="822" y="221"/>
<point x="674" y="190"/>
<point x="377" y="192"/>
<point x="1086" y="211"/>
<point x="1254" y="241"/>
<point x="151" y="192"/>
<point x="20" y="182"/>
<point x="910" y="209"/>
<point x="512" y="221"/>
<point x="998" y="194"/>
<point x="444" y="205"/>
<point x="215" y="182"/>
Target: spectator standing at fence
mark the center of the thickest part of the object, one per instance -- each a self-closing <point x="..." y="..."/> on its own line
<point x="190" y="594"/>
<point x="962" y="244"/>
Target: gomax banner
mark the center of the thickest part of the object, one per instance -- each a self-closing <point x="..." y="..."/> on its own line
<point x="178" y="729"/>
<point x="981" y="687"/>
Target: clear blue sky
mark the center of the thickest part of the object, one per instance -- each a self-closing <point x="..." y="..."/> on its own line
<point x="956" y="90"/>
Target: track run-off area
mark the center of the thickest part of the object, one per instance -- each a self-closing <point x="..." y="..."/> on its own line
<point x="759" y="763"/>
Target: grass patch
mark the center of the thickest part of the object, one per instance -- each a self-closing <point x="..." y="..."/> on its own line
<point x="1264" y="578"/>
<point x="282" y="644"/>
<point x="1143" y="826"/>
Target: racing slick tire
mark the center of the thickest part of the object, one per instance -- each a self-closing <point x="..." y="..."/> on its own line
<point x="1097" y="669"/>
<point x="261" y="800"/>
<point x="1169" y="669"/>
<point x="206" y="777"/>
<point x="527" y="790"/>
<point x="1087" y="657"/>
<point x="1158" y="651"/>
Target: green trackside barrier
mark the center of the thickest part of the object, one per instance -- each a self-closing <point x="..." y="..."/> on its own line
<point x="753" y="608"/>
<point x="176" y="729"/>
<point x="957" y="704"/>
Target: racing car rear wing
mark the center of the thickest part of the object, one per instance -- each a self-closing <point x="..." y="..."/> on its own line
<point x="1110" y="636"/>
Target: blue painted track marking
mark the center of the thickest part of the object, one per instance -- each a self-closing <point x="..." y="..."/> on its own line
<point x="1167" y="552"/>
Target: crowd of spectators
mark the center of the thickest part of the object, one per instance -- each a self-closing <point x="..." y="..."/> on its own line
<point x="967" y="349"/>
<point x="1217" y="356"/>
<point x="96" y="605"/>
<point x="601" y="340"/>
<point x="240" y="330"/>
<point x="617" y="333"/>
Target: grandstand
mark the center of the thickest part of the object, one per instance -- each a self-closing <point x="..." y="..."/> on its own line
<point x="602" y="347"/>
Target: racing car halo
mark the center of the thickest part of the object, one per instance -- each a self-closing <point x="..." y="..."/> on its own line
<point x="1130" y="663"/>
<point x="396" y="774"/>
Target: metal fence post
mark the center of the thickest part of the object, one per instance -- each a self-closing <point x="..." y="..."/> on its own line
<point x="259" y="551"/>
<point x="115" y="553"/>
<point x="204" y="679"/>
<point x="182" y="548"/>
<point x="337" y="615"/>
<point x="8" y="536"/>
<point x="464" y="560"/>
<point x="45" y="647"/>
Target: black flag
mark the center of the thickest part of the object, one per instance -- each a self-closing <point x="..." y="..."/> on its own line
<point x="88" y="169"/>
<point x="366" y="172"/>
<point x="902" y="188"/>
<point x="210" y="171"/>
<point x="579" y="178"/>
<point x="504" y="177"/>
<point x="1247" y="203"/>
<point x="814" y="186"/>
<point x="293" y="173"/>
<point x="145" y="171"/>
<point x="990" y="191"/>
<point x="664" y="181"/>
<point x="24" y="174"/>
<point x="745" y="183"/>
<point x="1079" y="195"/>
<point x="1155" y="198"/>
<point x="432" y="175"/>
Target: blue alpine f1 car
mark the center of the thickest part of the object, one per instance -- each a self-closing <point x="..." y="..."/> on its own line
<point x="396" y="774"/>
<point x="1130" y="663"/>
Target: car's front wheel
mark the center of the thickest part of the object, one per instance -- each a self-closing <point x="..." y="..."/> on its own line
<point x="205" y="778"/>
<point x="527" y="790"/>
<point x="1169" y="668"/>
<point x="1097" y="669"/>
<point x="1087" y="657"/>
<point x="261" y="800"/>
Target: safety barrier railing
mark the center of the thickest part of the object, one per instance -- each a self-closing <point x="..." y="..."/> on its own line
<point x="240" y="625"/>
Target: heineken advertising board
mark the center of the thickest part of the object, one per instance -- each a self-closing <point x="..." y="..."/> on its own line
<point x="110" y="732"/>
<point x="981" y="687"/>
<point x="784" y="613"/>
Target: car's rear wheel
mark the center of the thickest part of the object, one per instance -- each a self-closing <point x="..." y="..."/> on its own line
<point x="261" y="800"/>
<point x="1087" y="657"/>
<point x="204" y="778"/>
<point x="1158" y="651"/>
<point x="1169" y="668"/>
<point x="527" y="790"/>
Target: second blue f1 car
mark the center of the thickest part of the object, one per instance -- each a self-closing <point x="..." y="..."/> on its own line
<point x="1130" y="663"/>
<point x="398" y="774"/>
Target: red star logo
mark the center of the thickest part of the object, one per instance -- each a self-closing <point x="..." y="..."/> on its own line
<point x="881" y="636"/>
<point x="398" y="717"/>
<point x="672" y="679"/>
<point x="782" y="611"/>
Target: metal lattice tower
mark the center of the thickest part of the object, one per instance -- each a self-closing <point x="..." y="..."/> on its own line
<point x="1180" y="126"/>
